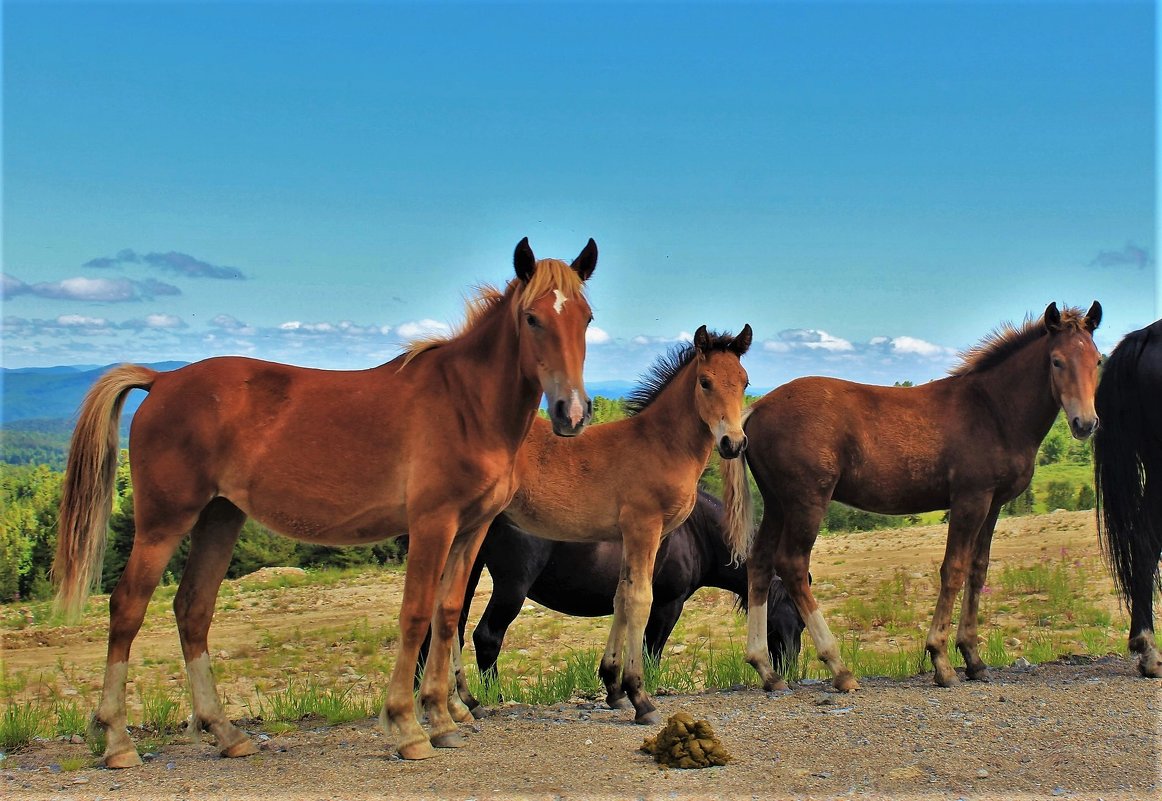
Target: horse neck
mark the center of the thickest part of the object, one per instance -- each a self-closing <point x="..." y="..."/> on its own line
<point x="496" y="397"/>
<point x="1020" y="395"/>
<point x="672" y="419"/>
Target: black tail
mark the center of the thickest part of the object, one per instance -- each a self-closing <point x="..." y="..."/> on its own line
<point x="1125" y="450"/>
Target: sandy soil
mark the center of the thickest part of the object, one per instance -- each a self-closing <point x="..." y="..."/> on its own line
<point x="1079" y="728"/>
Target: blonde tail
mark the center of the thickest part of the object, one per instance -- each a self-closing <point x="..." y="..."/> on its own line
<point x="739" y="508"/>
<point x="87" y="492"/>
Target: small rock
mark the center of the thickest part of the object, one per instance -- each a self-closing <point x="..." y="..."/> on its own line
<point x="824" y="699"/>
<point x="1021" y="663"/>
<point x="54" y="768"/>
<point x="223" y="654"/>
<point x="170" y="765"/>
<point x="77" y="739"/>
<point x="81" y="780"/>
<point x="1012" y="642"/>
<point x="982" y="773"/>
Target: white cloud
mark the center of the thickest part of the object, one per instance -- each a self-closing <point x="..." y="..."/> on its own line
<point x="81" y="321"/>
<point x="597" y="336"/>
<point x="919" y="347"/>
<point x="422" y="328"/>
<point x="810" y="338"/>
<point x="163" y="321"/>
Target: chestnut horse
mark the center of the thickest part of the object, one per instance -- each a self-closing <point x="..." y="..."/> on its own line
<point x="635" y="480"/>
<point x="966" y="443"/>
<point x="423" y="445"/>
<point x="1127" y="462"/>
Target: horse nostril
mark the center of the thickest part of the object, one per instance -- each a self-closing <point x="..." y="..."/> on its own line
<point x="745" y="442"/>
<point x="559" y="411"/>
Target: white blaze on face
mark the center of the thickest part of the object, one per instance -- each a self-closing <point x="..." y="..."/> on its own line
<point x="559" y="303"/>
<point x="576" y="410"/>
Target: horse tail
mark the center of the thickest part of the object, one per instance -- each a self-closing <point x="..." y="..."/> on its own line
<point x="1130" y="539"/>
<point x="87" y="491"/>
<point x="739" y="507"/>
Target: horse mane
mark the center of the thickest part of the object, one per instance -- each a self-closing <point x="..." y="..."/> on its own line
<point x="549" y="274"/>
<point x="1005" y="340"/>
<point x="663" y="370"/>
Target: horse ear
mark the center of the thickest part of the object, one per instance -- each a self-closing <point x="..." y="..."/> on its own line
<point x="586" y="262"/>
<point x="702" y="339"/>
<point x="741" y="343"/>
<point x="524" y="261"/>
<point x="1052" y="318"/>
<point x="1093" y="317"/>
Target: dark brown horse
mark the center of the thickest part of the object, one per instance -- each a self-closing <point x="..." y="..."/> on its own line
<point x="424" y="445"/>
<point x="966" y="443"/>
<point x="1127" y="461"/>
<point x="634" y="481"/>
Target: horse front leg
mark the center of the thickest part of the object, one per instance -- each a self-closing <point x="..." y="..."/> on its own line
<point x="429" y="542"/>
<point x="965" y="519"/>
<point x="211" y="546"/>
<point x="611" y="661"/>
<point x="437" y="691"/>
<point x="967" y="641"/>
<point x="639" y="551"/>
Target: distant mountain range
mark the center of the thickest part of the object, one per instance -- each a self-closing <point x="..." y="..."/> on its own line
<point x="34" y="396"/>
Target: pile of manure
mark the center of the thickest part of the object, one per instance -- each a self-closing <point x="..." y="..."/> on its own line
<point x="686" y="743"/>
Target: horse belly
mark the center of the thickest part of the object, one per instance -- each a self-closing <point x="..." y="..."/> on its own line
<point x="898" y="491"/>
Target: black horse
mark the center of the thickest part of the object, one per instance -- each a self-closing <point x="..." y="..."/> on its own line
<point x="1127" y="451"/>
<point x="580" y="578"/>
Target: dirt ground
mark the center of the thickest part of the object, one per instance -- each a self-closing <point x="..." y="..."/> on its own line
<point x="1082" y="727"/>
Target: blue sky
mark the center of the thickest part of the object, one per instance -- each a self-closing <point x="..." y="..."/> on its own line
<point x="872" y="186"/>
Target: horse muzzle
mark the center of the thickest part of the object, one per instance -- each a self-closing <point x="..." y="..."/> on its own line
<point x="1083" y="429"/>
<point x="569" y="416"/>
<point x="731" y="449"/>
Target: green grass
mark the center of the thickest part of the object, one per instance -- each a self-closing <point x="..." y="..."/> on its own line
<point x="160" y="709"/>
<point x="304" y="699"/>
<point x="20" y="723"/>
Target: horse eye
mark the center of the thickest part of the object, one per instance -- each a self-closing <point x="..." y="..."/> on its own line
<point x="704" y="383"/>
<point x="532" y="320"/>
<point x="1058" y="363"/>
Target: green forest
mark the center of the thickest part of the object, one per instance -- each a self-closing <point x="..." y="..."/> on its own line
<point x="32" y="461"/>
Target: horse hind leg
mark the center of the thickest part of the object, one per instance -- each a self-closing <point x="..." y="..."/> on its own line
<point x="793" y="564"/>
<point x="1148" y="551"/>
<point x="760" y="571"/>
<point x="211" y="546"/>
<point x="152" y="549"/>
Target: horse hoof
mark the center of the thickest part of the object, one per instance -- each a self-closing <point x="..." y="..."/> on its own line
<point x="1151" y="671"/>
<point x="775" y="686"/>
<point x="478" y="712"/>
<point x="620" y="703"/>
<point x="243" y="748"/>
<point x="126" y="759"/>
<point x="980" y="674"/>
<point x="651" y="718"/>
<point x="449" y="739"/>
<point x="949" y="679"/>
<point x="845" y="682"/>
<point x="415" y="751"/>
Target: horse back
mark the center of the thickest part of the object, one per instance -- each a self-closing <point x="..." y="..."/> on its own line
<point x="892" y="450"/>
